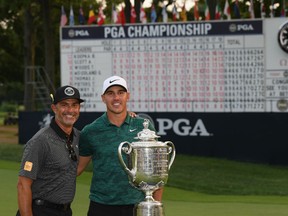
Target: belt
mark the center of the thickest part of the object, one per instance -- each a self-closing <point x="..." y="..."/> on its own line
<point x="40" y="202"/>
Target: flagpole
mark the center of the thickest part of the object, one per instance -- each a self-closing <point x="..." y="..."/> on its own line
<point x="272" y="9"/>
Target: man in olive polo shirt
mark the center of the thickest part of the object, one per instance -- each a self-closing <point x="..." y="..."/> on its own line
<point x="111" y="194"/>
<point x="47" y="177"/>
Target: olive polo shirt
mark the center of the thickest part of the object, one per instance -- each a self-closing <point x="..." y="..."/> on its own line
<point x="46" y="160"/>
<point x="101" y="139"/>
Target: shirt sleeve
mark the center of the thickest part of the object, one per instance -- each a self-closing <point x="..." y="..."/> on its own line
<point x="32" y="159"/>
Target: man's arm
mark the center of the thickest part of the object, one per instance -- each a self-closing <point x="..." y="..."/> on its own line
<point x="25" y="196"/>
<point x="83" y="162"/>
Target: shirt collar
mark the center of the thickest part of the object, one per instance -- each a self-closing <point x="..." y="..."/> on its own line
<point x="107" y="122"/>
<point x="59" y="131"/>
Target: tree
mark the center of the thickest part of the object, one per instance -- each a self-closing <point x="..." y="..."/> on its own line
<point x="29" y="35"/>
<point x="11" y="49"/>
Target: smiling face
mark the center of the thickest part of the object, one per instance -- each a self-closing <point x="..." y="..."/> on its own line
<point x="116" y="98"/>
<point x="66" y="113"/>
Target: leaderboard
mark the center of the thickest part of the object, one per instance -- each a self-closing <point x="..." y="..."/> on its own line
<point x="174" y="67"/>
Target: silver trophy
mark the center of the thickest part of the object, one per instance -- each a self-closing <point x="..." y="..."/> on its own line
<point x="149" y="162"/>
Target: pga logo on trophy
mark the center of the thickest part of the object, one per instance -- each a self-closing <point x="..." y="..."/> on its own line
<point x="149" y="163"/>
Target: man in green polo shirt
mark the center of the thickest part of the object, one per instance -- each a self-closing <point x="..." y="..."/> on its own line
<point x="111" y="194"/>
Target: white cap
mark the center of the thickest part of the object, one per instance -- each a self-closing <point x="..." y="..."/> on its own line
<point x="112" y="81"/>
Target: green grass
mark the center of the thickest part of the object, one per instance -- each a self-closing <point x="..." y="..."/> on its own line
<point x="196" y="186"/>
<point x="177" y="202"/>
<point x="208" y="175"/>
<point x="219" y="176"/>
<point x="11" y="152"/>
<point x="2" y="116"/>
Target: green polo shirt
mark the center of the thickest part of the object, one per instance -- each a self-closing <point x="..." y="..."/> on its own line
<point x="101" y="139"/>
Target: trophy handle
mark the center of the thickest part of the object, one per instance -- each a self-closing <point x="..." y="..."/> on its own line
<point x="171" y="150"/>
<point x="127" y="150"/>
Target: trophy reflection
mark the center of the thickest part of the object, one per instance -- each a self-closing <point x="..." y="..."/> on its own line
<point x="150" y="163"/>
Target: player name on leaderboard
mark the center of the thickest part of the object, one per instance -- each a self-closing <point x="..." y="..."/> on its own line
<point x="184" y="67"/>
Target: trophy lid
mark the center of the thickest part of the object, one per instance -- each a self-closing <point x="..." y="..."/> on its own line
<point x="146" y="134"/>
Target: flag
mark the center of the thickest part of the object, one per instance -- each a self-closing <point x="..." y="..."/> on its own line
<point x="114" y="14"/>
<point x="218" y="14"/>
<point x="236" y="10"/>
<point x="92" y="17"/>
<point x="71" y="17"/>
<point x="251" y="9"/>
<point x="174" y="13"/>
<point x="63" y="20"/>
<point x="133" y="15"/>
<point x="207" y="13"/>
<point x="196" y="11"/>
<point x="262" y="9"/>
<point x="283" y="13"/>
<point x="164" y="14"/>
<point x="183" y="14"/>
<point x="121" y="17"/>
<point x="227" y="10"/>
<point x="81" y="16"/>
<point x="143" y="18"/>
<point x="101" y="17"/>
<point x="153" y="14"/>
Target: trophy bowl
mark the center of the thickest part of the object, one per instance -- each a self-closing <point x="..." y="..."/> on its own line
<point x="149" y="162"/>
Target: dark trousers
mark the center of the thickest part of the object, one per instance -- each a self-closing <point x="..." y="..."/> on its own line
<point x="96" y="209"/>
<point x="46" y="211"/>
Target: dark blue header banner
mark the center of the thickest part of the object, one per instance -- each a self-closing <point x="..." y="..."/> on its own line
<point x="187" y="29"/>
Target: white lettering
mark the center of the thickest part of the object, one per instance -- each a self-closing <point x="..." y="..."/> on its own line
<point x="199" y="128"/>
<point x="107" y="32"/>
<point x="208" y="27"/>
<point x="81" y="33"/>
<point x="114" y="32"/>
<point x="182" y="127"/>
<point x="121" y="32"/>
<point x="185" y="129"/>
<point x="162" y="127"/>
<point x="244" y="27"/>
<point x="157" y="30"/>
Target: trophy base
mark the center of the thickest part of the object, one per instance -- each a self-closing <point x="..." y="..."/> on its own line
<point x="149" y="208"/>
